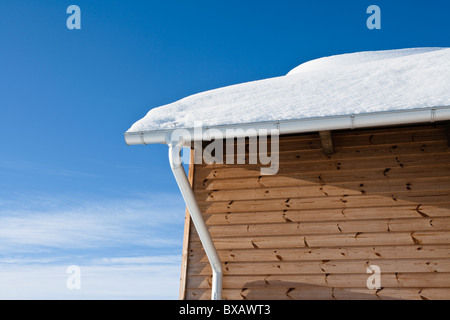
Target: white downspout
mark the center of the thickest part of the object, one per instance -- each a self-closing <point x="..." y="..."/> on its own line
<point x="197" y="218"/>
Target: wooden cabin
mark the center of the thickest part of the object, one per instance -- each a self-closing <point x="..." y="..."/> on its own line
<point x="359" y="207"/>
<point x="340" y="202"/>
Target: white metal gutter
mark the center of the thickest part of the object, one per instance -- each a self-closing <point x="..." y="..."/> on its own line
<point x="196" y="216"/>
<point x="364" y="120"/>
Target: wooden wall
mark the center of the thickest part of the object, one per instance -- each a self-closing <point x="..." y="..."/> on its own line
<point x="311" y="231"/>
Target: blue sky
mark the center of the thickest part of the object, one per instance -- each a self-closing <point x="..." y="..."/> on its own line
<point x="71" y="191"/>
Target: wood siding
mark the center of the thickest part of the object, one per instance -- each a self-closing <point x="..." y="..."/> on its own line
<point x="311" y="231"/>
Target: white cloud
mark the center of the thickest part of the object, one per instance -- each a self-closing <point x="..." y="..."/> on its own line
<point x="98" y="281"/>
<point x="52" y="223"/>
<point x="41" y="235"/>
<point x="40" y="168"/>
<point x="141" y="260"/>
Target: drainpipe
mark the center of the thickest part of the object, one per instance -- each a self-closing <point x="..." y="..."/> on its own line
<point x="196" y="216"/>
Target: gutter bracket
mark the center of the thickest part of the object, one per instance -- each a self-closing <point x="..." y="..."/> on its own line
<point x="142" y="138"/>
<point x="433" y="114"/>
<point x="352" y="121"/>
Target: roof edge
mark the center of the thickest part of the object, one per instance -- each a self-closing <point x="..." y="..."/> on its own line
<point x="339" y="122"/>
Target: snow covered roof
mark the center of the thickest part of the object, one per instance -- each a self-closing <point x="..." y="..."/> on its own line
<point x="348" y="84"/>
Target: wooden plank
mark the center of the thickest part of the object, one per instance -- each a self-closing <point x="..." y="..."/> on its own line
<point x="363" y="137"/>
<point x="390" y="130"/>
<point x="334" y="214"/>
<point x="324" y="293"/>
<point x="351" y="201"/>
<point x="388" y="280"/>
<point x="346" y="140"/>
<point x="411" y="148"/>
<point x="447" y="130"/>
<point x="305" y="161"/>
<point x="209" y="179"/>
<point x="319" y="254"/>
<point x="304" y="179"/>
<point x="330" y="227"/>
<point x="356" y="141"/>
<point x="414" y="129"/>
<point x="320" y="190"/>
<point x="327" y="142"/>
<point x="383" y="164"/>
<point x="334" y="240"/>
<point x="326" y="266"/>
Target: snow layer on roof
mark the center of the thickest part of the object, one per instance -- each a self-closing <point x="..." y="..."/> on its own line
<point x="355" y="83"/>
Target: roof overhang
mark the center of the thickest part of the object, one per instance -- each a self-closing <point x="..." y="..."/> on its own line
<point x="351" y="121"/>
